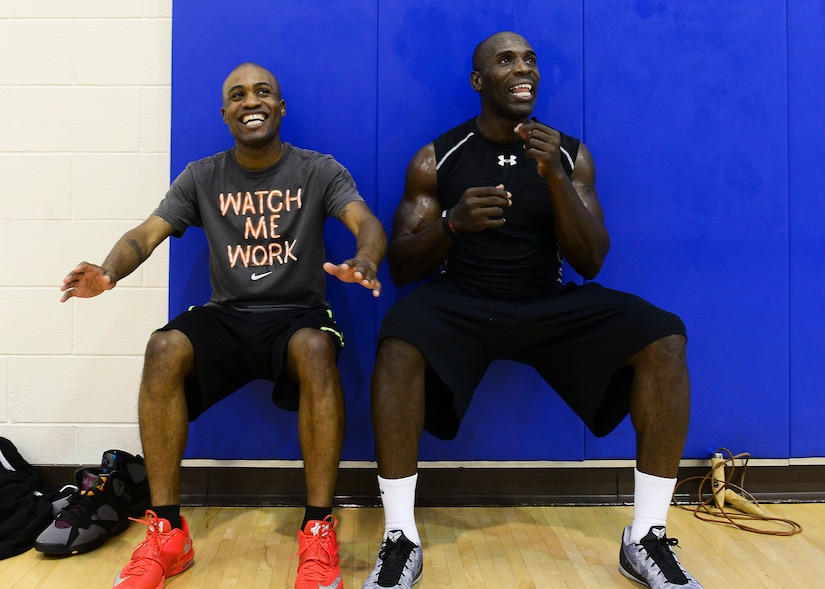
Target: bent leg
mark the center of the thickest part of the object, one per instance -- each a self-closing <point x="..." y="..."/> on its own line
<point x="311" y="362"/>
<point x="659" y="409"/>
<point x="397" y="399"/>
<point x="660" y="405"/>
<point x="398" y="420"/>
<point x="164" y="426"/>
<point x="164" y="422"/>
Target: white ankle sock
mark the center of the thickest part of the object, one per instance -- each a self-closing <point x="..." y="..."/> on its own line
<point x="398" y="497"/>
<point x="651" y="499"/>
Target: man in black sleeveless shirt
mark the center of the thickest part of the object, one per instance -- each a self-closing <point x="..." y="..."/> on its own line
<point x="491" y="208"/>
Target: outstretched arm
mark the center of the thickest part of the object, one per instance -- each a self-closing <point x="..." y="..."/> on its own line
<point x="371" y="243"/>
<point x="131" y="250"/>
<point x="579" y="219"/>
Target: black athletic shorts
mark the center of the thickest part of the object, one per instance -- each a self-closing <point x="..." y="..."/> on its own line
<point x="236" y="346"/>
<point x="578" y="338"/>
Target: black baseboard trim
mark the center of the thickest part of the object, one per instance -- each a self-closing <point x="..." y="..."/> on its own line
<point x="458" y="486"/>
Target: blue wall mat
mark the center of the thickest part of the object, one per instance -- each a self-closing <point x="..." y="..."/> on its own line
<point x="705" y="121"/>
<point x="324" y="54"/>
<point x="426" y="50"/>
<point x="698" y="212"/>
<point x="806" y="23"/>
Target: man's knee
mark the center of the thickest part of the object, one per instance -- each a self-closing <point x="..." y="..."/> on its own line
<point x="169" y="348"/>
<point x="312" y="357"/>
<point x="398" y="355"/>
<point x="313" y="344"/>
<point x="667" y="352"/>
<point x="169" y="360"/>
<point x="673" y="349"/>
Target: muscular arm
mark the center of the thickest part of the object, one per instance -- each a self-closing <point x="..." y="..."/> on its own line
<point x="130" y="251"/>
<point x="419" y="241"/>
<point x="371" y="243"/>
<point x="580" y="228"/>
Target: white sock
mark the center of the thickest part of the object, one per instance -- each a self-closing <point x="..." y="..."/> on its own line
<point x="651" y="499"/>
<point x="398" y="497"/>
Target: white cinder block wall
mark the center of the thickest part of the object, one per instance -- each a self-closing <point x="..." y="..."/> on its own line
<point x="85" y="91"/>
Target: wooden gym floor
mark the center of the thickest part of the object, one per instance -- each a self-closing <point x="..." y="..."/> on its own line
<point x="489" y="547"/>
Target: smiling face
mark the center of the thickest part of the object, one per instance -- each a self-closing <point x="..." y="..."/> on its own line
<point x="252" y="106"/>
<point x="506" y="76"/>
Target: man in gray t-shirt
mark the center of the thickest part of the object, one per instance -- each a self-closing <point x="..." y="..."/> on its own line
<point x="262" y="205"/>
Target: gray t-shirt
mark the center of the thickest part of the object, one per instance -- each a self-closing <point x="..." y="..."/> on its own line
<point x="264" y="227"/>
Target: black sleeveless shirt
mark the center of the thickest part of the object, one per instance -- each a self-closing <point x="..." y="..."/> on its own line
<point x="521" y="258"/>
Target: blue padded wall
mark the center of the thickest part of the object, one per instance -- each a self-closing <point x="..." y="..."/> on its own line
<point x="677" y="96"/>
<point x="806" y="151"/>
<point x="705" y="121"/>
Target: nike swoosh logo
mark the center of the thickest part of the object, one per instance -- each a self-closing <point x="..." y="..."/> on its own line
<point x="119" y="579"/>
<point x="259" y="276"/>
<point x="334" y="584"/>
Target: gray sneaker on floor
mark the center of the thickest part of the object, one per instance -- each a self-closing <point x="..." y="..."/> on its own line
<point x="652" y="562"/>
<point x="399" y="563"/>
<point x="100" y="506"/>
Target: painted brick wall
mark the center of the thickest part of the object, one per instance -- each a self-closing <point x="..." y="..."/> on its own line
<point x="84" y="155"/>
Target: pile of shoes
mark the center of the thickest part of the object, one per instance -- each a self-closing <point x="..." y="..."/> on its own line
<point x="26" y="502"/>
<point x="100" y="507"/>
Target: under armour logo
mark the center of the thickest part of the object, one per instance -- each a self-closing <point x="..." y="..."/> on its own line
<point x="506" y="160"/>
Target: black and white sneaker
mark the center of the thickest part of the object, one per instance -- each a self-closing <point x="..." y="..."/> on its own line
<point x="652" y="562"/>
<point x="399" y="563"/>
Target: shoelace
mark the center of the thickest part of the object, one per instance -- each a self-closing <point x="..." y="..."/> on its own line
<point x="139" y="566"/>
<point x="315" y="555"/>
<point x="79" y="506"/>
<point x="659" y="550"/>
<point x="155" y="538"/>
<point x="394" y="561"/>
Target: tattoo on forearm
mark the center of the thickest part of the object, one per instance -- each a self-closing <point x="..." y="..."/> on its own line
<point x="136" y="246"/>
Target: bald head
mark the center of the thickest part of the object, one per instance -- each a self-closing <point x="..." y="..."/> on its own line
<point x="249" y="67"/>
<point x="492" y="44"/>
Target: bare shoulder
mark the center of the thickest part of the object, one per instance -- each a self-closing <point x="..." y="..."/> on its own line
<point x="420" y="204"/>
<point x="584" y="171"/>
<point x="422" y="166"/>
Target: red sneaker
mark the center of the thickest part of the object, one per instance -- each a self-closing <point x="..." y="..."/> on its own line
<point x="318" y="564"/>
<point x="165" y="552"/>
